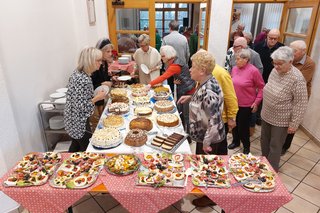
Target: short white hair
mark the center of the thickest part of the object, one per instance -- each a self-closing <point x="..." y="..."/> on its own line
<point x="283" y="54"/>
<point x="299" y="44"/>
<point x="248" y="35"/>
<point x="168" y="51"/>
<point x="244" y="53"/>
<point x="144" y="38"/>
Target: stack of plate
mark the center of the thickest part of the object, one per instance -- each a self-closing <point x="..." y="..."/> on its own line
<point x="62" y="90"/>
<point x="128" y="56"/>
<point x="57" y="95"/>
<point x="56" y="122"/>
<point x="60" y="103"/>
<point x="123" y="60"/>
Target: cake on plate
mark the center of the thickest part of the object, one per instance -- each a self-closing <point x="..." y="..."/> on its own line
<point x="118" y="107"/>
<point x="118" y="92"/>
<point x="141" y="100"/>
<point x="141" y="123"/>
<point x="114" y="121"/>
<point x="139" y="92"/>
<point x="106" y="137"/>
<point x="161" y="89"/>
<point x="167" y="120"/>
<point x="143" y="110"/>
<point x="164" y="106"/>
<point x="123" y="99"/>
<point x="136" y="137"/>
<point x="161" y="95"/>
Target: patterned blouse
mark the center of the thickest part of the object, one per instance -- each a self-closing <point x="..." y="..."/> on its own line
<point x="206" y="107"/>
<point x="285" y="99"/>
<point x="79" y="106"/>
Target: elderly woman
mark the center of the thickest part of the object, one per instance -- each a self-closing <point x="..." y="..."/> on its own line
<point x="248" y="84"/>
<point x="206" y="107"/>
<point x="80" y="100"/>
<point x="102" y="76"/>
<point x="284" y="103"/>
<point x="180" y="71"/>
<point x="148" y="56"/>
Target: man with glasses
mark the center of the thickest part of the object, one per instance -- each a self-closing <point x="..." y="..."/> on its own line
<point x="239" y="44"/>
<point x="265" y="49"/>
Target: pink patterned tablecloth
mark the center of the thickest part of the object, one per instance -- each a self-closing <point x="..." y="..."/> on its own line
<point x="115" y="66"/>
<point x="45" y="198"/>
<point x="140" y="198"/>
<point x="237" y="199"/>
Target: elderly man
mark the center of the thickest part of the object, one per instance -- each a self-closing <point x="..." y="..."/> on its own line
<point x="265" y="49"/>
<point x="148" y="56"/>
<point x="307" y="67"/>
<point x="248" y="37"/>
<point x="177" y="41"/>
<point x="239" y="44"/>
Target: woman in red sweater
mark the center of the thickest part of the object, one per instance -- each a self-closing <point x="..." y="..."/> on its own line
<point x="180" y="71"/>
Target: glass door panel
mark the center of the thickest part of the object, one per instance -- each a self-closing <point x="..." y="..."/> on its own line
<point x="298" y="21"/>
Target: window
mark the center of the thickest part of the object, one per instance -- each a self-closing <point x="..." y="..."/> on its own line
<point x="165" y="12"/>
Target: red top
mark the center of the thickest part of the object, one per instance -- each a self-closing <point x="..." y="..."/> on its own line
<point x="172" y="70"/>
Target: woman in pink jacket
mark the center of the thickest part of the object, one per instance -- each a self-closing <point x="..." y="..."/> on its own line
<point x="248" y="84"/>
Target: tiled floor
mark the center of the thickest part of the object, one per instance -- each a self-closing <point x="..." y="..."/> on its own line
<point x="299" y="171"/>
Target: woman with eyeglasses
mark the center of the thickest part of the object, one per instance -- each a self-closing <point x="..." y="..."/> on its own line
<point x="248" y="84"/>
<point x="102" y="75"/>
<point x="80" y="100"/>
<point x="285" y="101"/>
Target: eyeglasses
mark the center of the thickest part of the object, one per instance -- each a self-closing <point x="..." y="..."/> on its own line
<point x="273" y="38"/>
<point x="278" y="64"/>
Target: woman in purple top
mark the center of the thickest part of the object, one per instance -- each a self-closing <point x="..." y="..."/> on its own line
<point x="248" y="84"/>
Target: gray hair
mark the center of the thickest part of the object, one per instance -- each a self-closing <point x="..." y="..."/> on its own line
<point x="168" y="51"/>
<point x="87" y="59"/>
<point x="244" y="53"/>
<point x="144" y="38"/>
<point x="283" y="54"/>
<point x="174" y="25"/>
<point x="248" y="35"/>
<point x="299" y="44"/>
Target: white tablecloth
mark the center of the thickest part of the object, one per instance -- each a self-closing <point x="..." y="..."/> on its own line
<point x="123" y="148"/>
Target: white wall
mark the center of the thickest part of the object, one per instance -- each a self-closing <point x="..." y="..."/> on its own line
<point x="39" y="44"/>
<point x="312" y="116"/>
<point x="219" y="29"/>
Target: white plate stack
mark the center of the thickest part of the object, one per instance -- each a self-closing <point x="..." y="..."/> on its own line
<point x="56" y="122"/>
<point x="57" y="95"/>
<point x="60" y="103"/>
<point x="123" y="60"/>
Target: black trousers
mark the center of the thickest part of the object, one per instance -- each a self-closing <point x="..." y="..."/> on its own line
<point x="242" y="131"/>
<point x="288" y="142"/>
<point x="217" y="148"/>
<point x="80" y="145"/>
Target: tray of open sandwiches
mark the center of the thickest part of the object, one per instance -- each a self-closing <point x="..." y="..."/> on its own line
<point x="34" y="169"/>
<point x="209" y="171"/>
<point x="167" y="143"/>
<point x="79" y="171"/>
<point x="253" y="174"/>
<point x="162" y="169"/>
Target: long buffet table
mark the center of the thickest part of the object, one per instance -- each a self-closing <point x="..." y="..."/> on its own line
<point x="136" y="198"/>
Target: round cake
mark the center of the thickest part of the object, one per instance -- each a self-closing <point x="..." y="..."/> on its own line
<point x="161" y="95"/>
<point x="118" y="92"/>
<point x="141" y="100"/>
<point x="163" y="106"/>
<point x="123" y="99"/>
<point x="139" y="92"/>
<point x="114" y="121"/>
<point x="118" y="107"/>
<point x="141" y="123"/>
<point x="136" y="137"/>
<point x="106" y="137"/>
<point x="167" y="120"/>
<point x="143" y="110"/>
<point x="136" y="86"/>
<point x="161" y="89"/>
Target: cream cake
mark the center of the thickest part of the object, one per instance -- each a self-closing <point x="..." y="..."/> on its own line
<point x="167" y="120"/>
<point x="163" y="106"/>
<point x="118" y="107"/>
<point x="105" y="137"/>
